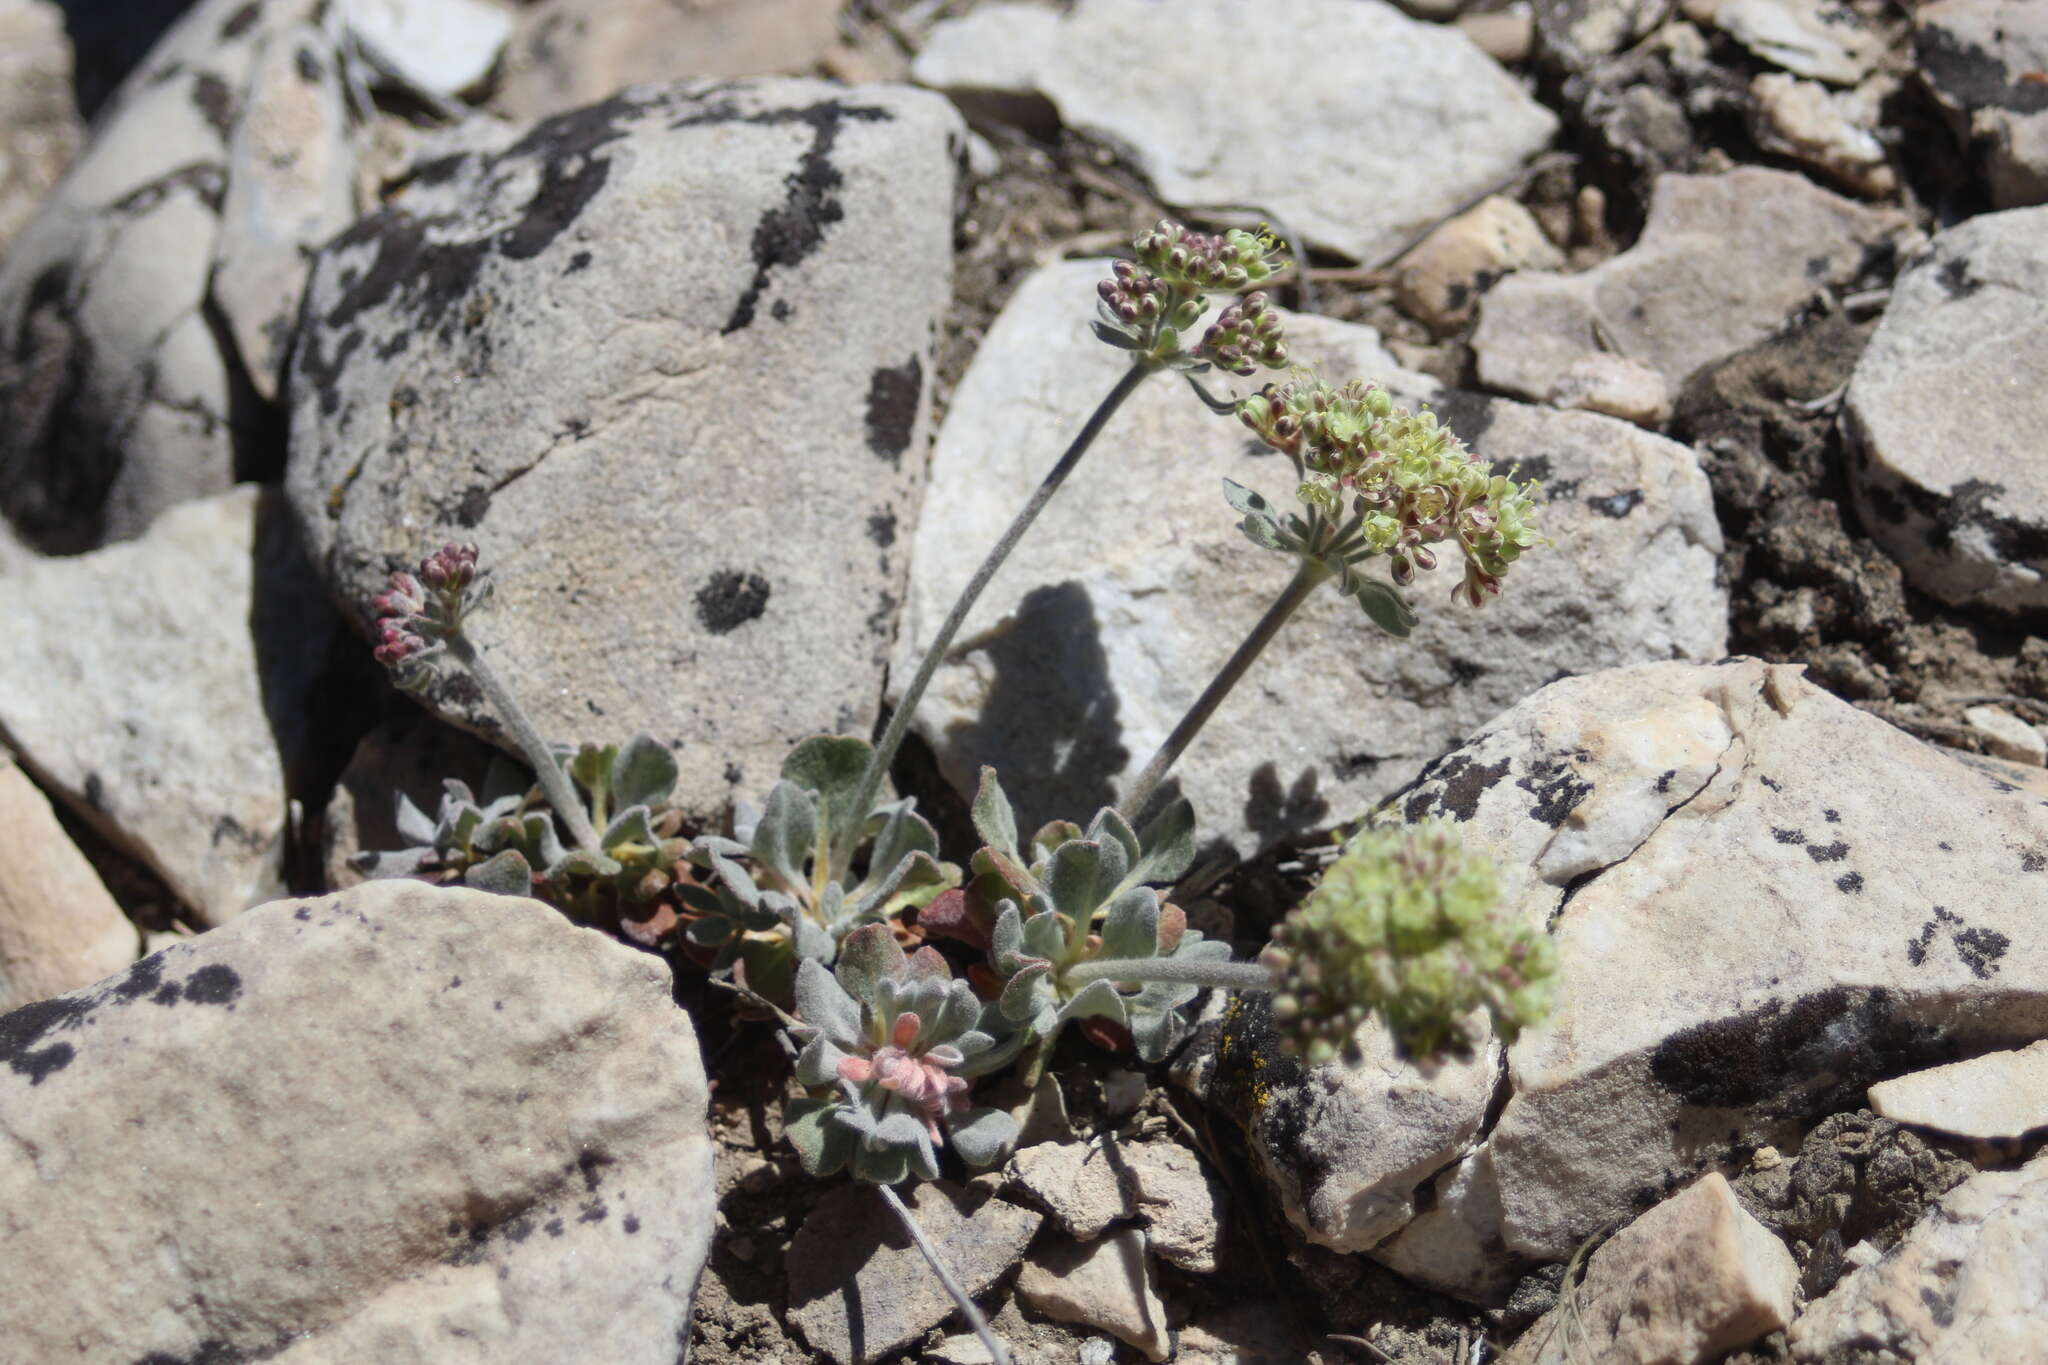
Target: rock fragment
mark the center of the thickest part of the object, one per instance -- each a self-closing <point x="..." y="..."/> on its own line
<point x="1999" y="1095"/>
<point x="59" y="929"/>
<point x="1106" y="1285"/>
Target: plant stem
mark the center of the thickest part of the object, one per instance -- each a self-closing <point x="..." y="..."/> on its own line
<point x="966" y="1306"/>
<point x="1221" y="976"/>
<point x="1308" y="574"/>
<point x="553" y="781"/>
<point x="845" y="840"/>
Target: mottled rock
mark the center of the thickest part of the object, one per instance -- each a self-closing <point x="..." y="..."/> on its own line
<point x="1134" y="587"/>
<point x="40" y="130"/>
<point x="1969" y="1284"/>
<point x="1076" y="1182"/>
<point x="1825" y="40"/>
<point x="569" y="53"/>
<point x="859" y="1288"/>
<point x="1947" y="430"/>
<point x="1689" y="1281"/>
<point x="170" y="704"/>
<point x="1575" y="33"/>
<point x="1200" y="115"/>
<point x="1830" y="132"/>
<point x="1648" y="811"/>
<point x="400" y="1124"/>
<point x="59" y="929"/>
<point x="687" y="438"/>
<point x="1454" y="1245"/>
<point x="118" y="396"/>
<point x="1440" y="281"/>
<point x="444" y="47"/>
<point x="1983" y="59"/>
<point x="1106" y="1285"/>
<point x="1722" y="263"/>
<point x="1998" y="1095"/>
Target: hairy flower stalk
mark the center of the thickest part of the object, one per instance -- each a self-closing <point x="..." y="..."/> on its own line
<point x="1407" y="924"/>
<point x="1374" y="479"/>
<point x="1146" y="307"/>
<point x="422" y="616"/>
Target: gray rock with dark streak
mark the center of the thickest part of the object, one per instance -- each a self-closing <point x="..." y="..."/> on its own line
<point x="1947" y="428"/>
<point x="1983" y="59"/>
<point x="402" y="1124"/>
<point x="118" y="396"/>
<point x="665" y="358"/>
<point x="1754" y="891"/>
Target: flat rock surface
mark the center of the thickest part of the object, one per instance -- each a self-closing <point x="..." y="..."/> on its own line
<point x="1644" y="812"/>
<point x="1722" y="262"/>
<point x="664" y="358"/>
<point x="1106" y="1285"/>
<point x="1998" y="1095"/>
<point x="1968" y="1285"/>
<point x="858" y="1287"/>
<point x="1135" y="586"/>
<point x="489" y="1146"/>
<point x="1421" y="124"/>
<point x="1077" y="1183"/>
<point x="172" y="696"/>
<point x="1949" y="431"/>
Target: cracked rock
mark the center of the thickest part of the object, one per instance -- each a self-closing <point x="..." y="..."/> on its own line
<point x="1691" y="833"/>
<point x="1166" y="1185"/>
<point x="1723" y="262"/>
<point x="1968" y="1285"/>
<point x="171" y="702"/>
<point x="1136" y="577"/>
<point x="688" y="439"/>
<point x="1689" y="1281"/>
<point x="1944" y="423"/>
<point x="1107" y="1285"/>
<point x="1998" y="1095"/>
<point x="119" y="397"/>
<point x="1982" y="59"/>
<point x="1448" y="124"/>
<point x="858" y="1288"/>
<point x="490" y="1146"/>
<point x="1076" y="1182"/>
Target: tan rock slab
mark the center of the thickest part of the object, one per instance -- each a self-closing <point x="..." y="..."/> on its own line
<point x="59" y="927"/>
<point x="1107" y="1285"/>
<point x="1691" y="1279"/>
<point x="1998" y="1095"/>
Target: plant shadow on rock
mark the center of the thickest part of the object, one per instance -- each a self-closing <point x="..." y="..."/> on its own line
<point x="1050" y="723"/>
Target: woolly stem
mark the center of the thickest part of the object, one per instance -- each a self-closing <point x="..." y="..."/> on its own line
<point x="553" y="781"/>
<point x="1221" y="976"/>
<point x="847" y="839"/>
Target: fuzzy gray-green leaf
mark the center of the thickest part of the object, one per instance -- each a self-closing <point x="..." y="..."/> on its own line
<point x="1386" y="608"/>
<point x="1131" y="928"/>
<point x="831" y="766"/>
<point x="644" y="773"/>
<point x="508" y="874"/>
<point x="994" y="819"/>
<point x="983" y="1135"/>
<point x="785" y="832"/>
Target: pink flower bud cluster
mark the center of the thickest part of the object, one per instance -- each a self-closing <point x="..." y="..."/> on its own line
<point x="922" y="1079"/>
<point x="1244" y="337"/>
<point x="420" y="609"/>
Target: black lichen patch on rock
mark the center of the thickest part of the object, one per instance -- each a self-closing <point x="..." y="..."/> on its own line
<point x="1557" y="787"/>
<point x="23" y="1031"/>
<point x="27" y="1036"/>
<point x="1617" y="505"/>
<point x="730" y="600"/>
<point x="1796" y="1059"/>
<point x="1451" y="785"/>
<point x="1977" y="949"/>
<point x="790" y="232"/>
<point x="892" y="408"/>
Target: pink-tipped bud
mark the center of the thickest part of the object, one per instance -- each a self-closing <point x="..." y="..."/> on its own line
<point x="855" y="1069"/>
<point x="905" y="1031"/>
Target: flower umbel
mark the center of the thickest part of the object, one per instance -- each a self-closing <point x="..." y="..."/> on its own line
<point x="419" y="611"/>
<point x="1406" y="923"/>
<point x="1147" y="305"/>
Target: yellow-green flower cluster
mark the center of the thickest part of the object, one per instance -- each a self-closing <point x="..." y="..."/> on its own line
<point x="1407" y="924"/>
<point x="1405" y="475"/>
<point x="1195" y="262"/>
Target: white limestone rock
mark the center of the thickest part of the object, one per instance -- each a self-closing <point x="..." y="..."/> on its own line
<point x="1722" y="263"/>
<point x="664" y="358"/>
<point x="1107" y="1285"/>
<point x="1441" y="279"/>
<point x="1135" y="586"/>
<point x="445" y="47"/>
<point x="1947" y="428"/>
<point x="1831" y="132"/>
<point x="1753" y="889"/>
<point x="170" y="693"/>
<point x="40" y="130"/>
<point x="1206" y="99"/>
<point x="403" y="1124"/>
<point x="1967" y="1286"/>
<point x="1824" y="40"/>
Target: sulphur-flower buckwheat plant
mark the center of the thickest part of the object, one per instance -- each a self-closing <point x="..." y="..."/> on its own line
<point x="1406" y="923"/>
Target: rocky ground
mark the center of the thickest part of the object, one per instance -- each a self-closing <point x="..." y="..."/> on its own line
<point x="734" y="373"/>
